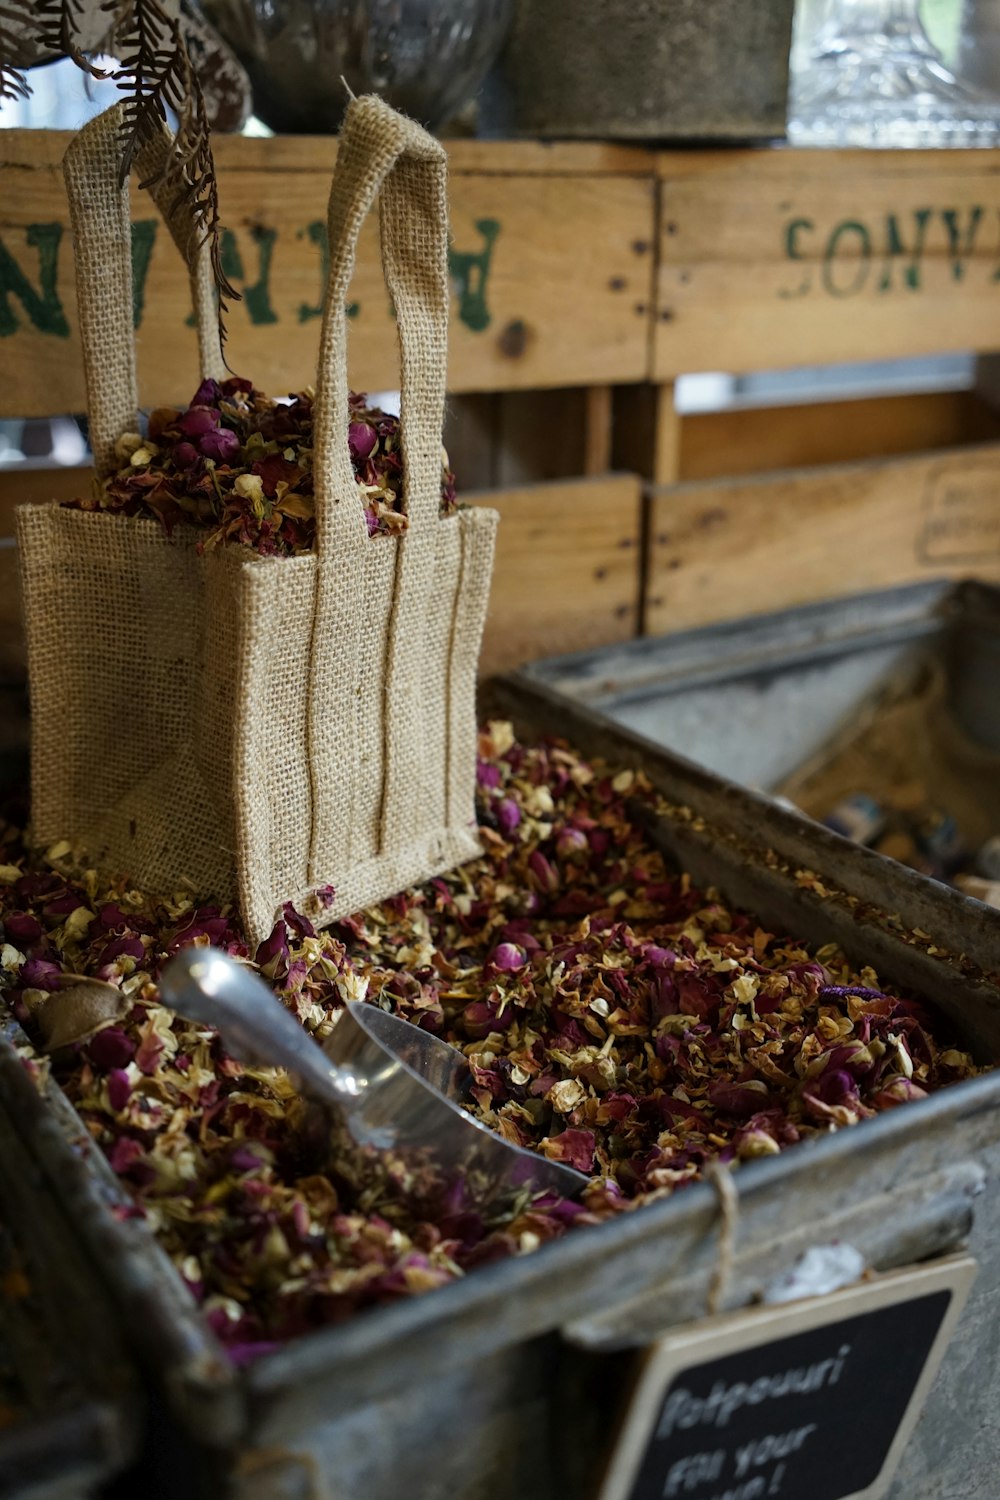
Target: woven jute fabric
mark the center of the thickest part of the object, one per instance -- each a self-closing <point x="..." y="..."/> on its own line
<point x="263" y="729"/>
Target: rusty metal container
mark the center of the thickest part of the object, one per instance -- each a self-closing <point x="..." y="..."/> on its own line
<point x="503" y="1385"/>
<point x="71" y="1406"/>
<point x="642" y="70"/>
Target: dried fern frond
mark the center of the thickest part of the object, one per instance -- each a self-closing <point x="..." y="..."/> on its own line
<point x="196" y="184"/>
<point x="13" y="84"/>
<point x="58" y="29"/>
<point x="156" y="73"/>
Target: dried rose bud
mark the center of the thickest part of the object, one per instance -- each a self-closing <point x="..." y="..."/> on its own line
<point x="898" y="1090"/>
<point x="487" y="775"/>
<point x="572" y="844"/>
<point x="508" y="815"/>
<point x="111" y="1049"/>
<point x="752" y="1143"/>
<point x="197" y="420"/>
<point x="484" y="1016"/>
<point x="738" y="1098"/>
<point x="127" y="444"/>
<point x="362" y="440"/>
<point x="185" y="455"/>
<point x="40" y="974"/>
<point x="566" y="1095"/>
<point x="207" y="394"/>
<point x="22" y="927"/>
<point x="544" y="871"/>
<point x="220" y="444"/>
<point x="508" y="956"/>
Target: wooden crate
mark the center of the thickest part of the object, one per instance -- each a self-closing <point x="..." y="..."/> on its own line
<point x="586" y="278"/>
<point x="776" y="259"/>
<point x="552" y="264"/>
<point x="777" y="507"/>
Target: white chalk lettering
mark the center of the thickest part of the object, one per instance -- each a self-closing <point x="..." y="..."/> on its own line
<point x="684" y="1410"/>
<point x="692" y="1472"/>
<point x="753" y="1488"/>
<point x="765" y="1450"/>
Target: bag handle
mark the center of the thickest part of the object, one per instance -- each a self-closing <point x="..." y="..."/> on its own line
<point x="102" y="247"/>
<point x="382" y="152"/>
<point x="379" y="152"/>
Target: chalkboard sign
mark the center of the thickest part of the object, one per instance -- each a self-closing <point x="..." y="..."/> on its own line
<point x="814" y="1398"/>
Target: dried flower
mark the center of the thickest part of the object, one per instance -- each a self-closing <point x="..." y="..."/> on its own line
<point x="238" y="466"/>
<point x="613" y="1016"/>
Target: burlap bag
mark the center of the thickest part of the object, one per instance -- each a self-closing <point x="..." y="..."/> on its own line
<point x="254" y="728"/>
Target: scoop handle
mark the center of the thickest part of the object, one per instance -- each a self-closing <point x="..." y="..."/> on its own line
<point x="206" y="985"/>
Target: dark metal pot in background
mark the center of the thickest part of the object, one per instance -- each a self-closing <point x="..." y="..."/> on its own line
<point x="424" y="57"/>
<point x="642" y="70"/>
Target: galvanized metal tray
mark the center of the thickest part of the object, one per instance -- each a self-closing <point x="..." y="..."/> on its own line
<point x="753" y="699"/>
<point x="72" y="1405"/>
<point x="504" y="1384"/>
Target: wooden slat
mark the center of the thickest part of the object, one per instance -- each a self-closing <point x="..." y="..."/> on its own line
<point x="730" y="548"/>
<point x="21" y="485"/>
<point x="752" y="440"/>
<point x="312" y="153"/>
<point x="790" y="257"/>
<point x="317" y="153"/>
<point x="552" y="274"/>
<point x="567" y="569"/>
<point x="598" y="429"/>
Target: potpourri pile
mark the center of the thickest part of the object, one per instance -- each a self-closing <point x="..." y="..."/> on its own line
<point x="614" y="1016"/>
<point x="238" y="466"/>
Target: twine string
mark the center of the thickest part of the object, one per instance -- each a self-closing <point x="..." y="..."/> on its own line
<point x="721" y="1179"/>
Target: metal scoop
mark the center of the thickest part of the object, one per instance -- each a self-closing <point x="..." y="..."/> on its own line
<point x="394" y="1085"/>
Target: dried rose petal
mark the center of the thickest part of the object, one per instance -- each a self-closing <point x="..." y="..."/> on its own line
<point x="21" y="927"/>
<point x="111" y="1048"/>
<point x="119" y="1089"/>
<point x="575" y="1147"/>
